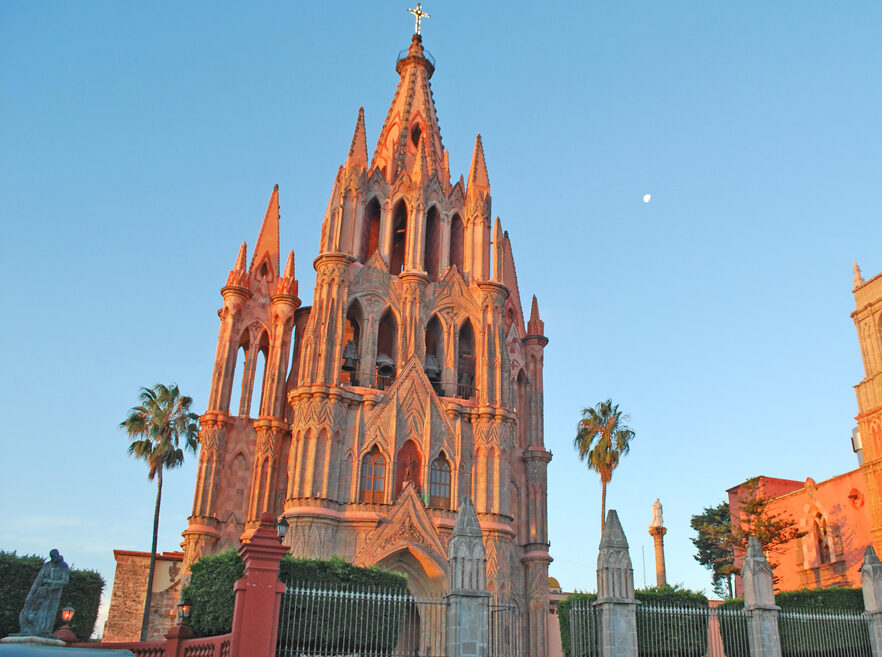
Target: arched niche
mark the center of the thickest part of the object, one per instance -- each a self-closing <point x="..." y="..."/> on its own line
<point x="352" y="327"/>
<point x="431" y="243"/>
<point x="457" y="242"/>
<point x="408" y="468"/>
<point x="434" y="363"/>
<point x="387" y="349"/>
<point x="465" y="367"/>
<point x="370" y="230"/>
<point x="399" y="238"/>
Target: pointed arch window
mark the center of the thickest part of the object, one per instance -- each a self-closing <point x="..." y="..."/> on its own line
<point x="399" y="239"/>
<point x="439" y="483"/>
<point x="352" y="343"/>
<point x="370" y="230"/>
<point x="465" y="370"/>
<point x="457" y="238"/>
<point x="387" y="350"/>
<point x="430" y="244"/>
<point x="373" y="477"/>
<point x="434" y="363"/>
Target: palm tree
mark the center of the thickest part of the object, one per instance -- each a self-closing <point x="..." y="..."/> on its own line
<point x="158" y="426"/>
<point x="602" y="438"/>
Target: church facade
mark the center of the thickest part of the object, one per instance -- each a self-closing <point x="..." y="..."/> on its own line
<point x="412" y="382"/>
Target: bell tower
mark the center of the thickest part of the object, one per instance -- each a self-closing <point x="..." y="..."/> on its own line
<point x="413" y="381"/>
<point x="868" y="322"/>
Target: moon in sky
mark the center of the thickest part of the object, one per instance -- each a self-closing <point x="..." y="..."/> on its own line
<point x="647" y="198"/>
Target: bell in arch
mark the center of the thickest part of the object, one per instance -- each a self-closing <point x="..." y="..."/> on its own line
<point x="433" y="371"/>
<point x="385" y="365"/>
<point x="350" y="357"/>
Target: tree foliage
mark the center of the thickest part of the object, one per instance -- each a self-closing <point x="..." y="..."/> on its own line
<point x="82" y="592"/>
<point x="602" y="438"/>
<point x="210" y="591"/>
<point x="161" y="427"/>
<point x="712" y="527"/>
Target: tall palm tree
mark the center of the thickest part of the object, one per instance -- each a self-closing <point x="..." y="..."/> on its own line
<point x="602" y="438"/>
<point x="160" y="426"/>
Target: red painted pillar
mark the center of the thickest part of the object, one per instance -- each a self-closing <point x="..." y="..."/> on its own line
<point x="258" y="593"/>
<point x="174" y="640"/>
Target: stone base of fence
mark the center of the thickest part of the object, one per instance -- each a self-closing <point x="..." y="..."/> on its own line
<point x="178" y="642"/>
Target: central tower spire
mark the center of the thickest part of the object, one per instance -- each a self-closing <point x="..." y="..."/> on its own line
<point x="411" y="118"/>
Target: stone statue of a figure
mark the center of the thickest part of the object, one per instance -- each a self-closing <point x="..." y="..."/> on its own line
<point x="38" y="614"/>
<point x="657" y="514"/>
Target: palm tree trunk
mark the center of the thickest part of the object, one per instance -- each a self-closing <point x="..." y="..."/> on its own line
<point x="146" y="619"/>
<point x="602" y="506"/>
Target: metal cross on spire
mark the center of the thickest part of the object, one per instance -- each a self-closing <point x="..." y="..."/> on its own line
<point x="419" y="14"/>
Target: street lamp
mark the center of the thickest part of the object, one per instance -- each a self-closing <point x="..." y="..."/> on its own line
<point x="67" y="614"/>
<point x="64" y="632"/>
<point x="183" y="611"/>
<point x="281" y="527"/>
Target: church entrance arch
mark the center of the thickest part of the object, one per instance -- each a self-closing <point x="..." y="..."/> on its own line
<point x="424" y="619"/>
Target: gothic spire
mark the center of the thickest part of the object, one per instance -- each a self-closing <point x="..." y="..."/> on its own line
<point x="289" y="266"/>
<point x="858" y="277"/>
<point x="287" y="284"/>
<point x="411" y="117"/>
<point x="535" y="326"/>
<point x="267" y="245"/>
<point x="242" y="258"/>
<point x="420" y="168"/>
<point x="478" y="179"/>
<point x="497" y="251"/>
<point x="358" y="150"/>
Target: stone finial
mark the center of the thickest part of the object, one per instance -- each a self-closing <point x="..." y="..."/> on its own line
<point x="871" y="581"/>
<point x="287" y="284"/>
<point x="615" y="577"/>
<point x="479" y="181"/>
<point x="535" y="326"/>
<point x="858" y="277"/>
<point x="420" y="166"/>
<point x="238" y="275"/>
<point x="656" y="515"/>
<point x="466" y="552"/>
<point x="357" y="158"/>
<point x="446" y="167"/>
<point x="756" y="573"/>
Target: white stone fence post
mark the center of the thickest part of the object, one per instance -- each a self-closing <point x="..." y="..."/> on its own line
<point x="616" y="605"/>
<point x="759" y="603"/>
<point x="871" y="583"/>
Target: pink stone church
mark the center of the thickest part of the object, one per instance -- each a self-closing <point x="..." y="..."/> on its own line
<point x="412" y="382"/>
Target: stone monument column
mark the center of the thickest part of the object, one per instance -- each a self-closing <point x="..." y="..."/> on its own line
<point x="657" y="530"/>
<point x="468" y="600"/>
<point x="871" y="583"/>
<point x="616" y="604"/>
<point x="759" y="603"/>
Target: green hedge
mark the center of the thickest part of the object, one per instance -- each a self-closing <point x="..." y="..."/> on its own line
<point x="83" y="593"/>
<point x="686" y="635"/>
<point x="210" y="591"/>
<point x="796" y="640"/>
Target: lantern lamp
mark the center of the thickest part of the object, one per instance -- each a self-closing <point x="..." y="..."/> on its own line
<point x="281" y="527"/>
<point x="183" y="610"/>
<point x="67" y="614"/>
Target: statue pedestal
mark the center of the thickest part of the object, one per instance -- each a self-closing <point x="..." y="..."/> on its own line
<point x="33" y="640"/>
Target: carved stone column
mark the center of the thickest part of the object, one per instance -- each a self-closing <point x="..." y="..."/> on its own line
<point x="759" y="603"/>
<point x="871" y="583"/>
<point x="615" y="592"/>
<point x="467" y="617"/>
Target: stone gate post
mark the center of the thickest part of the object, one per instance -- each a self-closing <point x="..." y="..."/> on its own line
<point x="871" y="583"/>
<point x="759" y="603"/>
<point x="467" y="600"/>
<point x="258" y="592"/>
<point x="615" y="603"/>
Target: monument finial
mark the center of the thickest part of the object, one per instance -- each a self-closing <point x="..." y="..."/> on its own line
<point x="419" y="14"/>
<point x="858" y="277"/>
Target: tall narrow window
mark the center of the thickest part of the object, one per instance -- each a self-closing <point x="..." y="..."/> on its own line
<point x="434" y="364"/>
<point x="373" y="477"/>
<point x="399" y="239"/>
<point x="457" y="234"/>
<point x="465" y="371"/>
<point x="430" y="244"/>
<point x="439" y="483"/>
<point x="370" y="230"/>
<point x="239" y="375"/>
<point x="387" y="349"/>
<point x="352" y="343"/>
<point x="523" y="409"/>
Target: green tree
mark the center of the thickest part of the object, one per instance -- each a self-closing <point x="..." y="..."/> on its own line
<point x="602" y="438"/>
<point x="755" y="517"/>
<point x="160" y="427"/>
<point x="712" y="540"/>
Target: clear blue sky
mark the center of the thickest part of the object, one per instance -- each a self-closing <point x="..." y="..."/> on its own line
<point x="139" y="145"/>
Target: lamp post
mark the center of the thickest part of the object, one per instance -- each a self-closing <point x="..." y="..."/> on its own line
<point x="281" y="528"/>
<point x="183" y="611"/>
<point x="64" y="632"/>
